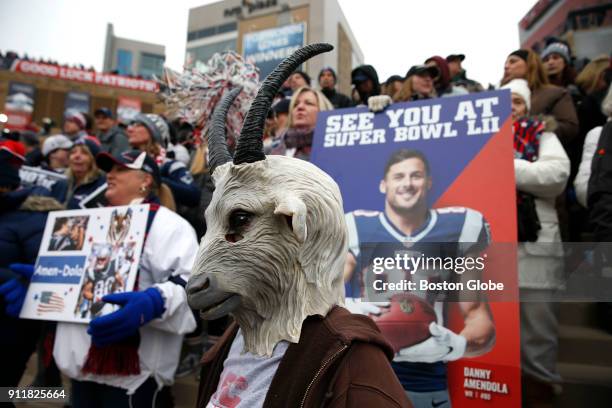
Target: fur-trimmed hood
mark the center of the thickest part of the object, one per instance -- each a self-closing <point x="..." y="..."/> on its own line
<point x="40" y="203"/>
<point x="550" y="123"/>
<point x="29" y="199"/>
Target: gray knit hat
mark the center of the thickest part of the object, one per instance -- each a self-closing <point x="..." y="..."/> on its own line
<point x="557" y="48"/>
<point x="156" y="125"/>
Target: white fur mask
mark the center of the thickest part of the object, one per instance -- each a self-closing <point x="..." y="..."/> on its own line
<point x="277" y="238"/>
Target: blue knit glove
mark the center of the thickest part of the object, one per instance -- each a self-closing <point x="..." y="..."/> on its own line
<point x="138" y="308"/>
<point x="14" y="291"/>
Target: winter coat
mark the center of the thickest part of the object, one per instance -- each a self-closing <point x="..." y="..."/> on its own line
<point x="454" y="90"/>
<point x="178" y="177"/>
<point x="341" y="360"/>
<point x="461" y="80"/>
<point x="581" y="181"/>
<point x="589" y="111"/>
<point x="167" y="257"/>
<point x="556" y="102"/>
<point x="599" y="190"/>
<point x="369" y="72"/>
<point x="590" y="116"/>
<point x="77" y="193"/>
<point x="114" y="141"/>
<point x="195" y="215"/>
<point x="23" y="215"/>
<point x="541" y="262"/>
<point x="294" y="143"/>
<point x="339" y="100"/>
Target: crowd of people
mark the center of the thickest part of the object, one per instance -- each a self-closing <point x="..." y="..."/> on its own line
<point x="562" y="144"/>
<point x="9" y="57"/>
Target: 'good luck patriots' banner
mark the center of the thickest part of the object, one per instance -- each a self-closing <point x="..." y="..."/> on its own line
<point x="429" y="196"/>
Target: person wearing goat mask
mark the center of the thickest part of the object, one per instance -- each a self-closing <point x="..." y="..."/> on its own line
<point x="273" y="258"/>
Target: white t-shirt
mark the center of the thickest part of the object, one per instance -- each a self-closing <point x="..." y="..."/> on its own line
<point x="246" y="378"/>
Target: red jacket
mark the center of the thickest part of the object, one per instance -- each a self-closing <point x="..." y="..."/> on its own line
<point x="341" y="360"/>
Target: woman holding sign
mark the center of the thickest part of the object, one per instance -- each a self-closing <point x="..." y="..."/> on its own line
<point x="124" y="358"/>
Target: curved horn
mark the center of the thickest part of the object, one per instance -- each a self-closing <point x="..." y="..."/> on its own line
<point x="217" y="143"/>
<point x="250" y="144"/>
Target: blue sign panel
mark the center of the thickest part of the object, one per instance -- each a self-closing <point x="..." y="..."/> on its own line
<point x="76" y="102"/>
<point x="267" y="48"/>
<point x="59" y="269"/>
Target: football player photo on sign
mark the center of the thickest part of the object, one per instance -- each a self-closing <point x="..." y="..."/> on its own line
<point x="429" y="200"/>
<point x="414" y="321"/>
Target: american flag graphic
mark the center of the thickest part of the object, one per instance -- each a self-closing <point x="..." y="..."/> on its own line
<point x="50" y="302"/>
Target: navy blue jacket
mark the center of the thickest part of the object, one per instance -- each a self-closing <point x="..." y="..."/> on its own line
<point x="184" y="189"/>
<point x="23" y="214"/>
<point x="77" y="194"/>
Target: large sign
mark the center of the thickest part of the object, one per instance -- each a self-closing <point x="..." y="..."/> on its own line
<point x="429" y="196"/>
<point x="267" y="48"/>
<point x="85" y="255"/>
<point x="128" y="108"/>
<point x="19" y="105"/>
<point x="36" y="176"/>
<point x="81" y="75"/>
<point x="76" y="102"/>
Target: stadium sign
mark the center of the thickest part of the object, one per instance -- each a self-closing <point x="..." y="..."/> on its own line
<point x="81" y="75"/>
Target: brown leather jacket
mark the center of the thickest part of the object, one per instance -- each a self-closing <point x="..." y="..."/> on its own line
<point x="341" y="360"/>
<point x="557" y="102"/>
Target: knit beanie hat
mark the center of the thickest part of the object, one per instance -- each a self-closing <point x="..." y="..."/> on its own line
<point x="52" y="143"/>
<point x="90" y="144"/>
<point x="520" y="87"/>
<point x="330" y="70"/>
<point x="156" y="125"/>
<point x="557" y="48"/>
<point x="522" y="54"/>
<point x="76" y="117"/>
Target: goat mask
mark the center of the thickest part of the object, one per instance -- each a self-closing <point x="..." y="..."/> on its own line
<point x="274" y="250"/>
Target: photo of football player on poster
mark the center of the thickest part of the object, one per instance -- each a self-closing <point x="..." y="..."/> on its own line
<point x="409" y="226"/>
<point x="101" y="278"/>
<point x="107" y="268"/>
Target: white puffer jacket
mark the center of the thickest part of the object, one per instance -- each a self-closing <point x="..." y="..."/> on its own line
<point x="581" y="182"/>
<point x="541" y="262"/>
<point x="169" y="250"/>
